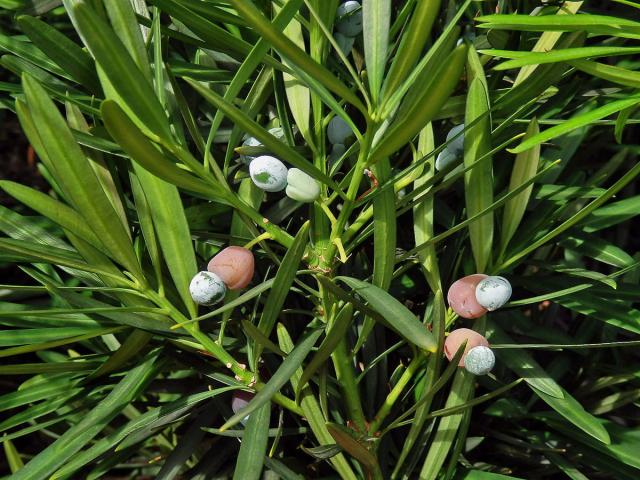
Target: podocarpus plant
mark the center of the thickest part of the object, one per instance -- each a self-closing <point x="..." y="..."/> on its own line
<point x="138" y="112"/>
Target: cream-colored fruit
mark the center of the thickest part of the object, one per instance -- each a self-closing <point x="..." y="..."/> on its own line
<point x="302" y="187"/>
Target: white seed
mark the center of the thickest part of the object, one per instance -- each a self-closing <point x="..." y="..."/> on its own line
<point x="456" y="146"/>
<point x="479" y="360"/>
<point x="493" y="292"/>
<point x="349" y="24"/>
<point x="207" y="288"/>
<point x="268" y="173"/>
<point x="338" y="131"/>
<point x="302" y="187"/>
<point x="446" y="158"/>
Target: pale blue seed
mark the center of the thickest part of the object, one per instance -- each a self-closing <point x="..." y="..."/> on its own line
<point x="479" y="360"/>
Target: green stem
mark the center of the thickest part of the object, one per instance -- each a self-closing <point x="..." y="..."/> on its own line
<point x="347" y="380"/>
<point x="352" y="192"/>
<point x="240" y="371"/>
<point x="395" y="393"/>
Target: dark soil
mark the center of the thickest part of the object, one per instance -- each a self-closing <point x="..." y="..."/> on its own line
<point x="17" y="159"/>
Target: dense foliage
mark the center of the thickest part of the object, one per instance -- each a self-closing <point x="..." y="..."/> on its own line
<point x="144" y="115"/>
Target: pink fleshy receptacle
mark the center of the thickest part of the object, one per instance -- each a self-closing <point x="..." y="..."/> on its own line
<point x="455" y="339"/>
<point x="462" y="296"/>
<point x="234" y="265"/>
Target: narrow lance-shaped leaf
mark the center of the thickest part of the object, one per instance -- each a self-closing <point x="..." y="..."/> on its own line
<point x="142" y="151"/>
<point x="279" y="378"/>
<point x="297" y="94"/>
<point x="90" y="425"/>
<point x="442" y="85"/>
<point x="254" y="445"/>
<point x="621" y="76"/>
<point x="478" y="182"/>
<point x="397" y="316"/>
<point x="376" y="15"/>
<point x="411" y="43"/>
<point x="174" y="237"/>
<point x="523" y="364"/>
<point x="133" y="89"/>
<point x="597" y="24"/>
<point x="577" y="122"/>
<point x="77" y="177"/>
<point x="51" y="208"/>
<point x="282" y="283"/>
<point x="64" y="52"/>
<point x="293" y="53"/>
<point x="524" y="167"/>
<point x="423" y="211"/>
<point x="312" y="411"/>
<point x="334" y="336"/>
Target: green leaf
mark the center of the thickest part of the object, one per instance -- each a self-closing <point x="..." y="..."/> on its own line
<point x="294" y="54"/>
<point x="142" y="151"/>
<point x="345" y="438"/>
<point x="312" y="411"/>
<point x="334" y="336"/>
<point x="577" y="122"/>
<point x="612" y="214"/>
<point x="145" y="422"/>
<point x="282" y="282"/>
<point x="30" y="53"/>
<point x="621" y="76"/>
<point x="596" y="24"/>
<point x="254" y="445"/>
<point x="461" y="392"/>
<point x="421" y="111"/>
<point x="39" y="391"/>
<point x="580" y="215"/>
<point x="397" y="316"/>
<point x="69" y="56"/>
<point x="279" y="378"/>
<point x="478" y="182"/>
<point x="36" y="253"/>
<point x="90" y="425"/>
<point x="376" y="16"/>
<point x="571" y="409"/>
<point x="77" y="178"/>
<point x="521" y="59"/>
<point x="56" y="211"/>
<point x="214" y="35"/>
<point x="13" y="456"/>
<point x="298" y="95"/>
<point x="172" y="228"/>
<point x="134" y="91"/>
<point x="126" y="27"/>
<point x="260" y="338"/>
<point x="524" y="168"/>
<point x="9" y="338"/>
<point x="411" y="43"/>
<point x="523" y="364"/>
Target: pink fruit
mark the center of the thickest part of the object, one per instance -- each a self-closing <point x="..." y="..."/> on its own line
<point x="455" y="339"/>
<point x="234" y="265"/>
<point x="462" y="296"/>
<point x="240" y="399"/>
